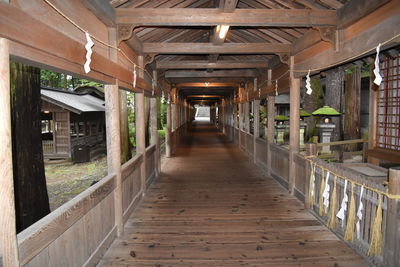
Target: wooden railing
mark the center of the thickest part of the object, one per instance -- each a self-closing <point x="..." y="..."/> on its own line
<point x="79" y="232"/>
<point x="279" y="163"/>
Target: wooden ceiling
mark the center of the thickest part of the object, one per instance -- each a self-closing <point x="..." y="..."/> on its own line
<point x="177" y="36"/>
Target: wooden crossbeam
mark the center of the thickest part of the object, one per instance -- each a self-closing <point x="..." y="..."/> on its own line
<point x="209" y="48"/>
<point x="103" y="11"/>
<point x="201" y="64"/>
<point x="212" y="17"/>
<point x="220" y="73"/>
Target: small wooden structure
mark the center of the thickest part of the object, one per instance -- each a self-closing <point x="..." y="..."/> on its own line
<point x="73" y="123"/>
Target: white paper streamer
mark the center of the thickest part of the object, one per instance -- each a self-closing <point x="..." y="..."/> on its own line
<point x="276" y="87"/>
<point x="378" y="77"/>
<point x="134" y="76"/>
<point x="325" y="194"/>
<point x="88" y="47"/>
<point x="162" y="96"/>
<point x="359" y="213"/>
<point x="342" y="212"/>
<point x="308" y="84"/>
<point x="313" y="181"/>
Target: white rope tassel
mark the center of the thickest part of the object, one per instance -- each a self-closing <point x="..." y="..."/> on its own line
<point x="359" y="213"/>
<point x="89" y="51"/>
<point x="134" y="76"/>
<point x="308" y="84"/>
<point x="343" y="208"/>
<point x="276" y="87"/>
<point x="326" y="193"/>
<point x="378" y="77"/>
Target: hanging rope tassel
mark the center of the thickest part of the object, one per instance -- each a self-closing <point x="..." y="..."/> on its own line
<point x="321" y="197"/>
<point x="311" y="191"/>
<point x="332" y="220"/>
<point x="375" y="247"/>
<point x="351" y="218"/>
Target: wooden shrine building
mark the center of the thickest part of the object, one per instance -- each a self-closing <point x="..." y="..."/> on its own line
<point x="221" y="196"/>
<point x="73" y="122"/>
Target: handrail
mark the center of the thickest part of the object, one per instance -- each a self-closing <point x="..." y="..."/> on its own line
<point x="344" y="142"/>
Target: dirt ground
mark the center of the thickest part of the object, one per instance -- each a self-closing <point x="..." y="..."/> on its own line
<point x="66" y="179"/>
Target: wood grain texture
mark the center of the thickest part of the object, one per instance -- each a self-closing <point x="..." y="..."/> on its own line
<point x="8" y="242"/>
<point x="213" y="207"/>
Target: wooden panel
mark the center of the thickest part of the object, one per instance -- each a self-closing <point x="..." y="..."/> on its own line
<point x="40" y="235"/>
<point x="279" y="162"/>
<point x="212" y="17"/>
<point x="262" y="152"/>
<point x="301" y="173"/>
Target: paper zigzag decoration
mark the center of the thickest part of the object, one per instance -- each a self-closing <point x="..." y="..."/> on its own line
<point x="359" y="213"/>
<point x="88" y="46"/>
<point x="308" y="84"/>
<point x="378" y="77"/>
<point x="134" y="76"/>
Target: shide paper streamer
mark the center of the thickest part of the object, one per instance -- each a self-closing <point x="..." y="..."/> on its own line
<point x="89" y="51"/>
<point x="308" y="84"/>
<point x="360" y="213"/>
<point x="378" y="77"/>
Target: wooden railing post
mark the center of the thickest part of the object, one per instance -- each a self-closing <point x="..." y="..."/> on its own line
<point x="113" y="130"/>
<point x="311" y="150"/>
<point x="256" y="122"/>
<point x="168" y="131"/>
<point x="270" y="129"/>
<point x="8" y="236"/>
<point x="294" y="125"/>
<point x="391" y="249"/>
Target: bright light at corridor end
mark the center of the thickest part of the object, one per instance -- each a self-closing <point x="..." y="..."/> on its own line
<point x="222" y="31"/>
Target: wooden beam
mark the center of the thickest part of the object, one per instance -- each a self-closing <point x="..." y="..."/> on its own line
<point x="102" y="10"/>
<point x="210" y="84"/>
<point x="8" y="236"/>
<point x="208" y="48"/>
<point x="236" y="80"/>
<point x="357" y="9"/>
<point x="212" y="17"/>
<point x="220" y="73"/>
<point x="201" y="64"/>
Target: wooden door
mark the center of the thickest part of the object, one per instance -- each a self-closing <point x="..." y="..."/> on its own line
<point x="61" y="133"/>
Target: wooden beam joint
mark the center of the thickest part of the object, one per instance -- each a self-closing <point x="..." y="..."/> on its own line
<point x="125" y="32"/>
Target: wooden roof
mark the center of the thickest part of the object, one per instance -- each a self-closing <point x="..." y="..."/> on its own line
<point x="177" y="36"/>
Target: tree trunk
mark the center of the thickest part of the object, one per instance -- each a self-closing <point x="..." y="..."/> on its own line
<point x="125" y="143"/>
<point x="31" y="199"/>
<point x="352" y="106"/>
<point x="334" y="99"/>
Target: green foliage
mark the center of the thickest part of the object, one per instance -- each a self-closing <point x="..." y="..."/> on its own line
<point x="62" y="81"/>
<point x="161" y="134"/>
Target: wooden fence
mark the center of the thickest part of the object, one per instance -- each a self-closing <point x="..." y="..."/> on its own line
<point x="279" y="169"/>
<point x="79" y="232"/>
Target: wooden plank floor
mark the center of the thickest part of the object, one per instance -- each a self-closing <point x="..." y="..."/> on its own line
<point x="213" y="207"/>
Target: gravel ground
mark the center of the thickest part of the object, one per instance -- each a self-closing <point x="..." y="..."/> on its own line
<point x="65" y="180"/>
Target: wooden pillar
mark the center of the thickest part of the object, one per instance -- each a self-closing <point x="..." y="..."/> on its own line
<point x="256" y="121"/>
<point x="294" y="124"/>
<point x="154" y="129"/>
<point x="391" y="249"/>
<point x="141" y="128"/>
<point x="373" y="109"/>
<point x="8" y="235"/>
<point x="247" y="112"/>
<point x="113" y="130"/>
<point x="240" y="123"/>
<point x="271" y="123"/>
<point x="168" y="130"/>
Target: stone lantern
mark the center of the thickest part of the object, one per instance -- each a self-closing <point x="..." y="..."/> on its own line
<point x="280" y="128"/>
<point x="326" y="127"/>
<point x="303" y="114"/>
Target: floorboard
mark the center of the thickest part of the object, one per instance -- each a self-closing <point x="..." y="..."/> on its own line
<point x="213" y="207"/>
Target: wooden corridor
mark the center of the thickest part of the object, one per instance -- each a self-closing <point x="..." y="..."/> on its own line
<point x="213" y="207"/>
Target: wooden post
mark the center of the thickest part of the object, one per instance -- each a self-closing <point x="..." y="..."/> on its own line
<point x="271" y="123"/>
<point x="294" y="125"/>
<point x="373" y="109"/>
<point x="240" y="123"/>
<point x="311" y="150"/>
<point x="113" y="130"/>
<point x="246" y="112"/>
<point x="168" y="131"/>
<point x="391" y="249"/>
<point x="8" y="241"/>
<point x="141" y="128"/>
<point x="154" y="129"/>
<point x="256" y="121"/>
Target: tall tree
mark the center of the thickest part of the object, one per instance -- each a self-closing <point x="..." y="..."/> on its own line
<point x="125" y="143"/>
<point x="31" y="199"/>
<point x="334" y="98"/>
<point x="352" y="105"/>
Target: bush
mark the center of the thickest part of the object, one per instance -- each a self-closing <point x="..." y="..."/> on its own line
<point x="161" y="134"/>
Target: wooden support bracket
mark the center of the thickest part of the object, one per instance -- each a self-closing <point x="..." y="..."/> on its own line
<point x="331" y="35"/>
<point x="284" y="58"/>
<point x="149" y="58"/>
<point x="125" y="32"/>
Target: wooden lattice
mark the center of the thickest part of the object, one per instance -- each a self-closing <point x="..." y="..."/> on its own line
<point x="388" y="115"/>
